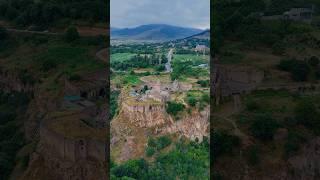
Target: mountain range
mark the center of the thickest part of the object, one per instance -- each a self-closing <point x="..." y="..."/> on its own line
<point x="154" y="32"/>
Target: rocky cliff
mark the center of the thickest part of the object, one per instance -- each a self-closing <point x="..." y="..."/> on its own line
<point x="145" y="115"/>
<point x="194" y="126"/>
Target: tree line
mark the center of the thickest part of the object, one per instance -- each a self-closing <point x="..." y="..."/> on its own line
<point x="44" y="13"/>
<point x="142" y="61"/>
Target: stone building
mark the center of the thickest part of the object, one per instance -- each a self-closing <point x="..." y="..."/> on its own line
<point x="202" y="49"/>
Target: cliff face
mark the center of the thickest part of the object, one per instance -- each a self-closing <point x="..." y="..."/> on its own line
<point x="53" y="169"/>
<point x="146" y="115"/>
<point x="67" y="158"/>
<point x="58" y="156"/>
<point x="37" y="110"/>
<point x="63" y="157"/>
<point x="194" y="126"/>
<point x="303" y="166"/>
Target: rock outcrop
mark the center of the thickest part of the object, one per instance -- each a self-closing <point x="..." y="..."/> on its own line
<point x="145" y="114"/>
<point x="194" y="126"/>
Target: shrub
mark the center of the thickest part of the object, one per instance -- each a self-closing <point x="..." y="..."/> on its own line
<point x="203" y="83"/>
<point x="160" y="68"/>
<point x="163" y="142"/>
<point x="205" y="98"/>
<point x="287" y="64"/>
<point x="75" y="77"/>
<point x="132" y="168"/>
<point x="278" y="48"/>
<point x="150" y="151"/>
<point x="306" y="114"/>
<point x="192" y="101"/>
<point x="223" y="143"/>
<point x="253" y="155"/>
<point x="263" y="127"/>
<point x="313" y="61"/>
<point x="298" y="69"/>
<point x="72" y="34"/>
<point x="252" y="105"/>
<point x="152" y="142"/>
<point x="174" y="108"/>
<point x="48" y="65"/>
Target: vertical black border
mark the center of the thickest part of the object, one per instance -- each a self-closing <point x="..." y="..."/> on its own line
<point x="108" y="162"/>
<point x="212" y="82"/>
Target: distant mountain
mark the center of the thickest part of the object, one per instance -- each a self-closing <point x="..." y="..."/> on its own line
<point x="114" y="29"/>
<point x="154" y="32"/>
<point x="203" y="35"/>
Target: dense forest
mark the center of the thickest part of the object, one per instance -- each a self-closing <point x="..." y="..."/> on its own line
<point x="141" y="61"/>
<point x="188" y="160"/>
<point x="49" y="12"/>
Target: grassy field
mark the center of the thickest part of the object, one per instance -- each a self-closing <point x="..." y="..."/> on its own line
<point x="197" y="60"/>
<point x="118" y="57"/>
<point x="125" y="79"/>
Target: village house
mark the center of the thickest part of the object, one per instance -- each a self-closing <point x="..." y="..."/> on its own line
<point x="201" y="49"/>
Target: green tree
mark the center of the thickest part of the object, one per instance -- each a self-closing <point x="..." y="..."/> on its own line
<point x="253" y="155"/>
<point x="314" y="61"/>
<point x="205" y="98"/>
<point x="150" y="151"/>
<point x="192" y="101"/>
<point x="72" y="34"/>
<point x="278" y="48"/>
<point x="223" y="143"/>
<point x="300" y="71"/>
<point x="163" y="142"/>
<point x="307" y="114"/>
<point x="263" y="127"/>
<point x="174" y="108"/>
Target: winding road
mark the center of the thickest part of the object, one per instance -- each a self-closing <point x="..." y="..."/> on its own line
<point x="168" y="64"/>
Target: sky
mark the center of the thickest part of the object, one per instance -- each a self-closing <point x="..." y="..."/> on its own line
<point x="185" y="13"/>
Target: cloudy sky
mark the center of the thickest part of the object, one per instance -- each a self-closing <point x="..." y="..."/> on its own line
<point x="186" y="13"/>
